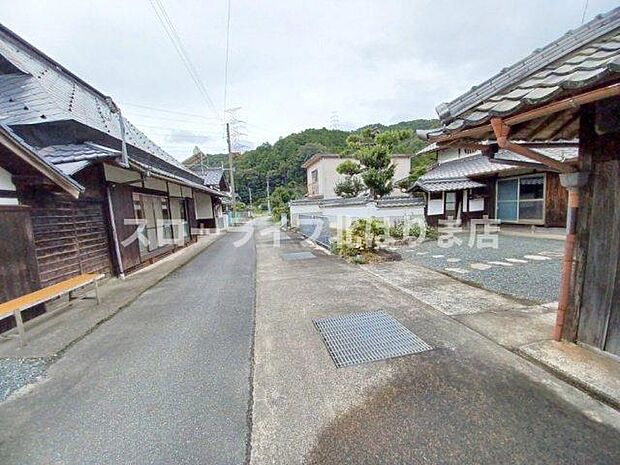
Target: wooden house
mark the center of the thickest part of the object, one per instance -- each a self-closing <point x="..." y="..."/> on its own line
<point x="81" y="189"/>
<point x="567" y="90"/>
<point x="465" y="184"/>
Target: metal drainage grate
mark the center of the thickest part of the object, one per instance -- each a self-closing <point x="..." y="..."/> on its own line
<point x="367" y="337"/>
<point x="297" y="256"/>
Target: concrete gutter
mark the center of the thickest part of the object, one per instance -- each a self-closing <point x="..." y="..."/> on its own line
<point x="49" y="335"/>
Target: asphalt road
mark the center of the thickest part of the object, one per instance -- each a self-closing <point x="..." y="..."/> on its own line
<point x="523" y="267"/>
<point x="166" y="381"/>
<point x="467" y="401"/>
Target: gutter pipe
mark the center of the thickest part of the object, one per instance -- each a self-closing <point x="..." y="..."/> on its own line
<point x="572" y="180"/>
<point x="117" y="249"/>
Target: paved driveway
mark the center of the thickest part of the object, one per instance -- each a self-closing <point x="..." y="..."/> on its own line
<point x="166" y="381"/>
<point x="523" y="267"/>
<point x="467" y="401"/>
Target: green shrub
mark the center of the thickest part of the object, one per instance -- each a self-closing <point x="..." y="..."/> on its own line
<point x="362" y="236"/>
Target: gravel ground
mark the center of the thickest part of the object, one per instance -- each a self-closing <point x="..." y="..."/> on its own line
<point x="537" y="279"/>
<point x="16" y="373"/>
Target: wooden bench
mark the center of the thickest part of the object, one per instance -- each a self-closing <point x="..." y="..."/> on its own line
<point x="16" y="306"/>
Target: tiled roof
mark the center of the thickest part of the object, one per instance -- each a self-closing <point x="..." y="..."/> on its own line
<point x="77" y="152"/>
<point x="211" y="176"/>
<point x="442" y="186"/>
<point x="72" y="167"/>
<point x="559" y="153"/>
<point x="318" y="156"/>
<point x="461" y="173"/>
<point x="463" y="168"/>
<point x="429" y="148"/>
<point x="399" y="201"/>
<point x="581" y="58"/>
<point x="384" y="202"/>
<point x="41" y="163"/>
<point x="39" y="90"/>
<point x="167" y="174"/>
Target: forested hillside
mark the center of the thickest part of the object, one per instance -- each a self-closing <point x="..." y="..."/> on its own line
<point x="281" y="162"/>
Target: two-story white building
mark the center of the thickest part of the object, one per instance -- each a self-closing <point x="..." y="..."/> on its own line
<point x="322" y="176"/>
<point x="322" y="200"/>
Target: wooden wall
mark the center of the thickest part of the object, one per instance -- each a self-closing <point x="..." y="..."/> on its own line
<point x="70" y="237"/>
<point x="556" y="202"/>
<point x="122" y="201"/>
<point x="594" y="314"/>
<point x="19" y="273"/>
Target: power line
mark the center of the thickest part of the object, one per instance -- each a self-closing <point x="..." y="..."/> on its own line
<point x="168" y="130"/>
<point x="583" y="16"/>
<point x="226" y="63"/>
<point x="177" y="120"/>
<point x="172" y="34"/>
<point x="164" y="110"/>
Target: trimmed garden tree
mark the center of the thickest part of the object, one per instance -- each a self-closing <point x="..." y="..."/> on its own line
<point x="373" y="169"/>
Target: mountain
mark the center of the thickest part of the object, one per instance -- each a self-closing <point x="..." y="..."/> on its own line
<point x="281" y="162"/>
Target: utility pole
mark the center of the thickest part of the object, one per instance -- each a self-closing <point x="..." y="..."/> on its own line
<point x="250" y="192"/>
<point x="268" y="196"/>
<point x="230" y="165"/>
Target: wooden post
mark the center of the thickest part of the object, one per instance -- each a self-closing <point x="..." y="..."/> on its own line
<point x="20" y="327"/>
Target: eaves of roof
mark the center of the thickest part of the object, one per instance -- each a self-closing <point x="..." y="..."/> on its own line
<point x="28" y="153"/>
<point x="318" y="156"/>
<point x="45" y="91"/>
<point x="161" y="174"/>
<point x="582" y="72"/>
<point x="447" y="185"/>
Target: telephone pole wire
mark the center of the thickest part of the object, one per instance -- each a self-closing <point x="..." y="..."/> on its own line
<point x="230" y="165"/>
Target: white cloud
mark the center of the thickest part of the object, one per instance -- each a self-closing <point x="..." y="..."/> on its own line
<point x="292" y="63"/>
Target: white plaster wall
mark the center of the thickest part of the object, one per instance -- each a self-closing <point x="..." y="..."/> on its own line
<point x="204" y="206"/>
<point x="476" y="205"/>
<point x="328" y="177"/>
<point x="6" y="184"/>
<point x="314" y="166"/>
<point x="116" y="174"/>
<point x="453" y="154"/>
<point x="403" y="166"/>
<point x="174" y="189"/>
<point x="155" y="184"/>
<point x="435" y="207"/>
<point x="343" y="216"/>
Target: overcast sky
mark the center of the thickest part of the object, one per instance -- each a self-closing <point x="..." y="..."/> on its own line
<point x="293" y="64"/>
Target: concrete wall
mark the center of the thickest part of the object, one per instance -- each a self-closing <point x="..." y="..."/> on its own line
<point x="296" y="210"/>
<point x="343" y="216"/>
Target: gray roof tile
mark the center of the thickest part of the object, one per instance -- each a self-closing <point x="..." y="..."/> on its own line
<point x="579" y="59"/>
<point x="77" y="152"/>
<point x="46" y="92"/>
<point x="461" y="173"/>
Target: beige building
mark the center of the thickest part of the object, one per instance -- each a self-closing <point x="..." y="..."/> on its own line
<point x="322" y="176"/>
